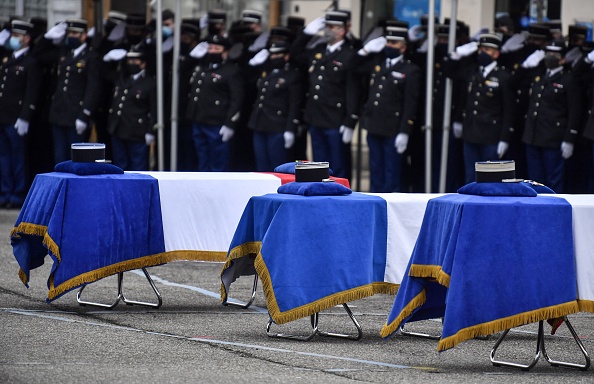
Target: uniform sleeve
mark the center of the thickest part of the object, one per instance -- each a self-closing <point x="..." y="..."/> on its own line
<point x="296" y="91"/>
<point x="508" y="104"/>
<point x="92" y="87"/>
<point x="411" y="104"/>
<point x="353" y="95"/>
<point x="574" y="110"/>
<point x="236" y="96"/>
<point x="152" y="108"/>
<point x="33" y="91"/>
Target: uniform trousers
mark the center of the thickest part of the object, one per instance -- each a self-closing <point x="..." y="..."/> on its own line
<point x="63" y="139"/>
<point x="130" y="155"/>
<point x="546" y="165"/>
<point x="13" y="177"/>
<point x="269" y="150"/>
<point x="384" y="164"/>
<point x="327" y="145"/>
<point x="212" y="152"/>
<point x="477" y="152"/>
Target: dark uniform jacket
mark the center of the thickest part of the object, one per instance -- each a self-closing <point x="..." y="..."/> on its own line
<point x="78" y="85"/>
<point x="488" y="116"/>
<point x="216" y="94"/>
<point x="334" y="89"/>
<point x="585" y="74"/>
<point x="278" y="103"/>
<point x="133" y="109"/>
<point x="19" y="86"/>
<point x="393" y="97"/>
<point x="554" y="111"/>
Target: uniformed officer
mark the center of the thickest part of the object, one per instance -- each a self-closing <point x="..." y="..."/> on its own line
<point x="216" y="97"/>
<point x="584" y="70"/>
<point x="133" y="114"/>
<point x="390" y="112"/>
<point x="277" y="107"/>
<point x="19" y="95"/>
<point x="78" y="84"/>
<point x="488" y="116"/>
<point x="331" y="108"/>
<point x="216" y="22"/>
<point x="553" y="120"/>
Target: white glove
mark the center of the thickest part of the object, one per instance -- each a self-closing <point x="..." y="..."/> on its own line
<point x="200" y="50"/>
<point x="80" y="126"/>
<point x="315" y="26"/>
<point x="467" y="49"/>
<point x="259" y="58"/>
<point x="573" y="55"/>
<point x="415" y="33"/>
<point x="347" y="133"/>
<point x="56" y="32"/>
<point x="226" y="133"/>
<point x="204" y="21"/>
<point x="22" y="127"/>
<point x="502" y="147"/>
<point x="289" y="139"/>
<point x="259" y="43"/>
<point x="566" y="150"/>
<point x="424" y="47"/>
<point x="91" y="32"/>
<point x="401" y="142"/>
<point x="373" y="46"/>
<point x="117" y="33"/>
<point x="115" y="55"/>
<point x="591" y="57"/>
<point x="534" y="58"/>
<point x="149" y="138"/>
<point x="457" y="127"/>
<point x="4" y="36"/>
<point x="513" y="43"/>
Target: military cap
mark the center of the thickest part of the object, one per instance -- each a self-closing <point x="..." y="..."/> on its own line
<point x="394" y="33"/>
<point x="491" y="40"/>
<point x="539" y="31"/>
<point x="189" y="28"/>
<point x="425" y="21"/>
<point x="295" y="22"/>
<point x="116" y="17"/>
<point x="336" y="18"/>
<point x="588" y="46"/>
<point x="281" y="33"/>
<point x="442" y="30"/>
<point x="504" y="20"/>
<point x="77" y="25"/>
<point x="137" y="52"/>
<point x="278" y="46"/>
<point x="216" y="16"/>
<point x="557" y="46"/>
<point x="249" y="16"/>
<point x="22" y="27"/>
<point x="218" y="40"/>
<point x="577" y="31"/>
<point x="136" y="20"/>
<point x="555" y="26"/>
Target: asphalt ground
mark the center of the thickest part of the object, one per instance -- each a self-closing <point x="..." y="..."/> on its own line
<point x="193" y="338"/>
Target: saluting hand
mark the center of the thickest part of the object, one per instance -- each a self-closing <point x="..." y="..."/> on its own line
<point x="259" y="58"/>
<point x="534" y="58"/>
<point x="57" y="32"/>
<point x="373" y="46"/>
<point x="315" y="26"/>
<point x="200" y="50"/>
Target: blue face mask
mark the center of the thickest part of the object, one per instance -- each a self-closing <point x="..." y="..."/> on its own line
<point x="484" y="59"/>
<point x="14" y="43"/>
<point x="167" y="31"/>
<point x="73" y="42"/>
<point x="392" y="53"/>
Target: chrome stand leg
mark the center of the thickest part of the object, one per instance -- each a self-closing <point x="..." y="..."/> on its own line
<point x="145" y="304"/>
<point x="246" y="305"/>
<point x="106" y="306"/>
<point x="577" y="340"/>
<point x="314" y="325"/>
<point x="418" y="334"/>
<point x="121" y="296"/>
<point x="540" y="350"/>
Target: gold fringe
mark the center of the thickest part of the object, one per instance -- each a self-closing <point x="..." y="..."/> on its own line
<point x="51" y="245"/>
<point x="434" y="271"/>
<point x="28" y="229"/>
<point x="586" y="305"/>
<point x="318" y="305"/>
<point x="23" y="277"/>
<point x="415" y="303"/>
<point x="508" y="322"/>
<point x="141" y="262"/>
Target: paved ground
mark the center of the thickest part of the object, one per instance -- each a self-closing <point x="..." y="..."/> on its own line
<point x="192" y="338"/>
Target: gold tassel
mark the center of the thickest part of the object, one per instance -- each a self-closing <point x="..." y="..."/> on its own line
<point x="433" y="271"/>
<point x="415" y="303"/>
<point x="586" y="306"/>
<point x="508" y="323"/>
<point x="23" y="277"/>
<point x="240" y="251"/>
<point x="338" y="298"/>
<point x="28" y="229"/>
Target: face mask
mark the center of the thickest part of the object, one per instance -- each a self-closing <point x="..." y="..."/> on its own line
<point x="214" y="58"/>
<point x="551" y="62"/>
<point x="329" y="35"/>
<point x="167" y="31"/>
<point x="484" y="59"/>
<point x="276" y="62"/>
<point x="14" y="43"/>
<point x="73" y="42"/>
<point x="392" y="53"/>
<point x="133" y="69"/>
<point x="184" y="48"/>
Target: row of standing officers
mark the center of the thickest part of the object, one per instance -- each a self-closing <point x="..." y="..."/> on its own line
<point x="248" y="97"/>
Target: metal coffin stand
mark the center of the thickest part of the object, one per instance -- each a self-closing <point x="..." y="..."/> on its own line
<point x="541" y="351"/>
<point x="313" y="319"/>
<point x="122" y="297"/>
